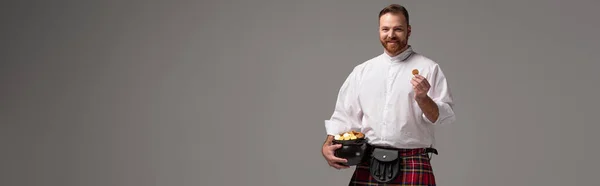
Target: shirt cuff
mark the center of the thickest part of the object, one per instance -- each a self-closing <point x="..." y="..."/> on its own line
<point x="445" y="113"/>
<point x="334" y="128"/>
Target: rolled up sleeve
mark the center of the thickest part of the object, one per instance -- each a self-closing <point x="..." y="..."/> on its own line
<point x="347" y="114"/>
<point x="440" y="93"/>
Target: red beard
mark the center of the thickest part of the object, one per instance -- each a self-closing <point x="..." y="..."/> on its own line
<point x="393" y="46"/>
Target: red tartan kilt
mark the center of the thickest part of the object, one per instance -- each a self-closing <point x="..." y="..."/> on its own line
<point x="416" y="170"/>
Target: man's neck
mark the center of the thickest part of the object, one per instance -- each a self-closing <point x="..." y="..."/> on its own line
<point x="399" y="52"/>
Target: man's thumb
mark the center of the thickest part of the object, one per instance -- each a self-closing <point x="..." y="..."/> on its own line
<point x="337" y="146"/>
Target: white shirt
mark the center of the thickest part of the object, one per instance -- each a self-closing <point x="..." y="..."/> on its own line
<point x="377" y="99"/>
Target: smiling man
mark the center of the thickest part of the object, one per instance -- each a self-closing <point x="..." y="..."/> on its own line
<point x="394" y="108"/>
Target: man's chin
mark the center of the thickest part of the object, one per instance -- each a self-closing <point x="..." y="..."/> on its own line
<point x="393" y="50"/>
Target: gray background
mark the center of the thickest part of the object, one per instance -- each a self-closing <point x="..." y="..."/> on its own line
<point x="98" y="93"/>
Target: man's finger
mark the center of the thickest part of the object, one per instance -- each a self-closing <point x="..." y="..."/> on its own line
<point x="416" y="85"/>
<point x="338" y="166"/>
<point x="338" y="160"/>
<point x="334" y="147"/>
<point x="337" y="146"/>
<point x="422" y="79"/>
<point x="414" y="82"/>
<point x="419" y="80"/>
<point x="416" y="76"/>
<point x="419" y="76"/>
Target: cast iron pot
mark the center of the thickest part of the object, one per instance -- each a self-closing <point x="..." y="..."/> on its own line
<point x="352" y="150"/>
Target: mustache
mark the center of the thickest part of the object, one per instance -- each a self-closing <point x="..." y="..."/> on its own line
<point x="391" y="40"/>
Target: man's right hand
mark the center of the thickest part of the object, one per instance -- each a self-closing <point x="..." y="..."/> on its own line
<point x="328" y="153"/>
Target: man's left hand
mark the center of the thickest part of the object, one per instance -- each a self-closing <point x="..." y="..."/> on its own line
<point x="420" y="85"/>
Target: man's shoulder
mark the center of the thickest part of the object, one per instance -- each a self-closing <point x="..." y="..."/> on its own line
<point x="424" y="60"/>
<point x="367" y="63"/>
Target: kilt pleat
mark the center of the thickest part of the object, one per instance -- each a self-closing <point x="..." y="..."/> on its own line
<point x="416" y="170"/>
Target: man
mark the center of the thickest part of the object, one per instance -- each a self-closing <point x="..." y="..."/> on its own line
<point x="393" y="108"/>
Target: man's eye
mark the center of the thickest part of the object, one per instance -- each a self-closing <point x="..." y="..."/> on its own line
<point x="385" y="29"/>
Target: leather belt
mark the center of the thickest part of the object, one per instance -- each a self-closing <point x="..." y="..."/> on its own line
<point x="404" y="151"/>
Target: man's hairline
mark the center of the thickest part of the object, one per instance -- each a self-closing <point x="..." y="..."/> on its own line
<point x="393" y="13"/>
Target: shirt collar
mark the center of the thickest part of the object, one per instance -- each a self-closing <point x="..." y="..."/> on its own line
<point x="400" y="57"/>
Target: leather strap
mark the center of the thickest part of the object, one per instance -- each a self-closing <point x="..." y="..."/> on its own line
<point x="431" y="150"/>
<point x="424" y="150"/>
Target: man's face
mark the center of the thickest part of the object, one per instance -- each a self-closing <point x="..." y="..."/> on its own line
<point x="393" y="33"/>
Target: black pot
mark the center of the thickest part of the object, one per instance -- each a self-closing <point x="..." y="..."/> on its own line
<point x="351" y="150"/>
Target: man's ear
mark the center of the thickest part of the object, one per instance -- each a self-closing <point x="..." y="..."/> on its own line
<point x="408" y="31"/>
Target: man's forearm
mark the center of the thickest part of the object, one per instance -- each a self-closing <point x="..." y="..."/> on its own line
<point x="329" y="140"/>
<point x="429" y="108"/>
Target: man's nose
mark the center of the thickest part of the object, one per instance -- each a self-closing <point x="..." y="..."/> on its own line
<point x="390" y="35"/>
